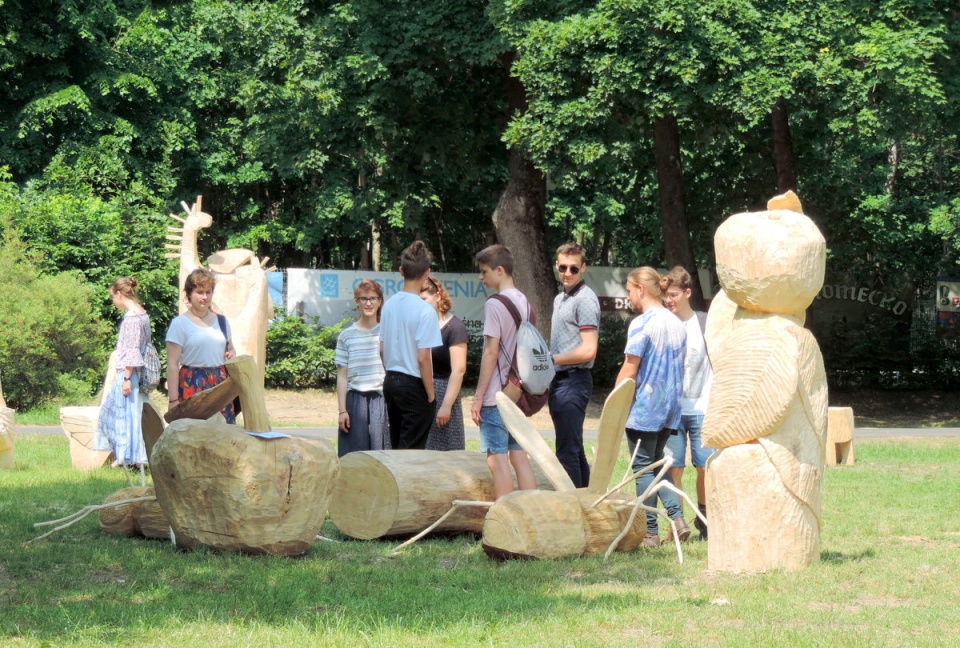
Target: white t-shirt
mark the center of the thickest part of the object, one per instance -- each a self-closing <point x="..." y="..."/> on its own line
<point x="697" y="371"/>
<point x="201" y="346"/>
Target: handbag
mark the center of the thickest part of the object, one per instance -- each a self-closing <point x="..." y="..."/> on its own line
<point x="150" y="372"/>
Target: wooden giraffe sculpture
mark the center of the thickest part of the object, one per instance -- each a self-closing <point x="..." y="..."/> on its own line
<point x="242" y="294"/>
<point x="185" y="248"/>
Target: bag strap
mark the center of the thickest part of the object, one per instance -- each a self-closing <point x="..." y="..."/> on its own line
<point x="512" y="309"/>
<point x="222" y="321"/>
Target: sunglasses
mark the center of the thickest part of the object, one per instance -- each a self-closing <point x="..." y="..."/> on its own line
<point x="562" y="269"/>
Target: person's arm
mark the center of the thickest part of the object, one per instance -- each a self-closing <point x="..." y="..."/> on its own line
<point x="631" y="365"/>
<point x="173" y="373"/>
<point x="343" y="420"/>
<point x="488" y="363"/>
<point x="425" y="362"/>
<point x="458" y="367"/>
<point x="585" y="352"/>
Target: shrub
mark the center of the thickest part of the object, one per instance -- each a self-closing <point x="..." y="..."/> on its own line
<point x="300" y="354"/>
<point x="50" y="335"/>
<point x="613" y="339"/>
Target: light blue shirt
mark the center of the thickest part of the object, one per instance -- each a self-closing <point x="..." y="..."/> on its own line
<point x="407" y="324"/>
<point x="658" y="338"/>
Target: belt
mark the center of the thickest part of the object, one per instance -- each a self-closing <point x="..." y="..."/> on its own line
<point x="561" y="372"/>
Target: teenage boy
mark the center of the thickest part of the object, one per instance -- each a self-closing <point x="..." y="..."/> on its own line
<point x="575" y="332"/>
<point x="409" y="329"/>
<point x="499" y="345"/>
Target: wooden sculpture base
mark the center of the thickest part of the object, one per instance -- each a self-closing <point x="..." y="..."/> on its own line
<point x="756" y="524"/>
<point x="80" y="426"/>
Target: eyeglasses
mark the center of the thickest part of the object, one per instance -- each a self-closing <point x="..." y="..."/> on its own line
<point x="368" y="300"/>
<point x="672" y="296"/>
<point x="562" y="269"/>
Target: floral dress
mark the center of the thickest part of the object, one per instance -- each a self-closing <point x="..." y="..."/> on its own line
<point x="119" y="423"/>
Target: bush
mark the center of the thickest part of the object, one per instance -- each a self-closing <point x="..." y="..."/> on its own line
<point x="51" y="340"/>
<point x="300" y="354"/>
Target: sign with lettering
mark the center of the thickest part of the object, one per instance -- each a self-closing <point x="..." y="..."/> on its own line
<point x="328" y="294"/>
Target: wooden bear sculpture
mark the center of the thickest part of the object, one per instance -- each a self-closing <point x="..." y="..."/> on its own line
<point x="768" y="406"/>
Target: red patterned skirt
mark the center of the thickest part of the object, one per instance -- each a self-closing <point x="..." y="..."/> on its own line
<point x="194" y="380"/>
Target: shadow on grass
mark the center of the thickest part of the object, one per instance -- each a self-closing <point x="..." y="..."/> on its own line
<point x="102" y="588"/>
<point x="839" y="558"/>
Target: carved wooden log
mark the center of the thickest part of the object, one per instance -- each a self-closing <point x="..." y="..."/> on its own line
<point x="145" y="519"/>
<point x="394" y="492"/>
<point x="8" y="428"/>
<point x="759" y="528"/>
<point x="80" y="426"/>
<point x="545" y="525"/>
<point x="205" y="404"/>
<point x="225" y="489"/>
<point x="768" y="402"/>
<point x="151" y="426"/>
<point x="243" y="369"/>
<point x="613" y="419"/>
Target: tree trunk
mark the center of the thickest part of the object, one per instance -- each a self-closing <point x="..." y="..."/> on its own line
<point x="783" y="148"/>
<point x="519" y="221"/>
<point x="673" y="217"/>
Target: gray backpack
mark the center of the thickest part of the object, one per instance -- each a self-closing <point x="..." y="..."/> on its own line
<point x="531" y="363"/>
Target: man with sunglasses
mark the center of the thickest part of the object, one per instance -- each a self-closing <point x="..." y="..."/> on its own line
<point x="574" y="337"/>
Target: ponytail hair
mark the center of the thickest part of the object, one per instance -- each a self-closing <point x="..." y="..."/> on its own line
<point x="650" y="279"/>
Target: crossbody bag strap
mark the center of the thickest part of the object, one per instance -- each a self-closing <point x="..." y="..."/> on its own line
<point x="512" y="309"/>
<point x="222" y="321"/>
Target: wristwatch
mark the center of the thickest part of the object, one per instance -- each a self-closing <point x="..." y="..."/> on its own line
<point x="126" y="379"/>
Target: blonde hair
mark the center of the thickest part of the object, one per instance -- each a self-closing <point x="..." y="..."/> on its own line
<point x="650" y="279"/>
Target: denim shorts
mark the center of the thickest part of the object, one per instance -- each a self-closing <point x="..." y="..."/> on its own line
<point x="494" y="437"/>
<point x="690" y="425"/>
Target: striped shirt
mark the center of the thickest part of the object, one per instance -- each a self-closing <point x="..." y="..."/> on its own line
<point x="359" y="351"/>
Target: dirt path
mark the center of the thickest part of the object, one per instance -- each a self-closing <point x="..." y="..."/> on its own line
<point x="872" y="408"/>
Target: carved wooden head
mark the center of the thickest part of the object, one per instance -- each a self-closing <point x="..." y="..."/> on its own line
<point x="771" y="261"/>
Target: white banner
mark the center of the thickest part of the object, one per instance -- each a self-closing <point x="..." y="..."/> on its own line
<point x="328" y="294"/>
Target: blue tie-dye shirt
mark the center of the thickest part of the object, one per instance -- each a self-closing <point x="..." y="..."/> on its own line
<point x="659" y="339"/>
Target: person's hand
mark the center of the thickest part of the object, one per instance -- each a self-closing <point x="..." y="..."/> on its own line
<point x="443" y="416"/>
<point x="126" y="389"/>
<point x="344" y="422"/>
<point x="475" y="410"/>
<point x="229" y="354"/>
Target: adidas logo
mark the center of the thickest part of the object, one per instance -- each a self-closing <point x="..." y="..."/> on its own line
<point x="541" y="355"/>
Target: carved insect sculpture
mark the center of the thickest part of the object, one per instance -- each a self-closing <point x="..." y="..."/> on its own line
<point x="567" y="521"/>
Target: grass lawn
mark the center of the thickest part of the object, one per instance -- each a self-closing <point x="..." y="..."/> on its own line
<point x="889" y="576"/>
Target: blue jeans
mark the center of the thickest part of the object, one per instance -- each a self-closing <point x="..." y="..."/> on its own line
<point x="494" y="437"/>
<point x="690" y="426"/>
<point x="569" y="394"/>
<point x="651" y="450"/>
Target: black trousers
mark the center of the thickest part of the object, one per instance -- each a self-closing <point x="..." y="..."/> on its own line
<point x="408" y="410"/>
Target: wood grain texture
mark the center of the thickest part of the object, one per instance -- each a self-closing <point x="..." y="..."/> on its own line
<point x="523" y="432"/>
<point x="80" y="425"/>
<point x="382" y="493"/>
<point x="224" y="489"/>
<point x="755" y="378"/>
<point x="136" y="519"/>
<point x="613" y="420"/>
